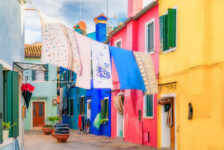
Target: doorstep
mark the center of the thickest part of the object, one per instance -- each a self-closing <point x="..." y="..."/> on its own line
<point x="7" y="142"/>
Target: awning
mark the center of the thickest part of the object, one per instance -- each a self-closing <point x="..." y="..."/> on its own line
<point x="165" y="100"/>
<point x="22" y="66"/>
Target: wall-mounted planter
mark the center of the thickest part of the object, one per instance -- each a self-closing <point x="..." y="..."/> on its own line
<point x="5" y="135"/>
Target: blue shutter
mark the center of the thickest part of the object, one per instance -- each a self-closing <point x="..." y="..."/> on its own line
<point x="33" y="75"/>
<point x="46" y="73"/>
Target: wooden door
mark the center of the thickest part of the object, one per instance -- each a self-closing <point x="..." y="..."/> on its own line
<point x="38" y="114"/>
<point x="172" y="129"/>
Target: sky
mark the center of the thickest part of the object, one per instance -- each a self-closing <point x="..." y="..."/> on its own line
<point x="68" y="13"/>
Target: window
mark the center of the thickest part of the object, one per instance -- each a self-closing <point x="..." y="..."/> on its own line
<point x="118" y="44"/>
<point x="40" y="75"/>
<point x="150" y="36"/>
<point x="71" y="106"/>
<point x="104" y="108"/>
<point x="82" y="105"/>
<point x="168" y="30"/>
<point x="67" y="106"/>
<point x="148" y="106"/>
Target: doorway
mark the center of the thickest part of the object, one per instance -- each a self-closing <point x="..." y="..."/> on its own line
<point x="38" y="114"/>
<point x="120" y="118"/>
<point x="168" y="132"/>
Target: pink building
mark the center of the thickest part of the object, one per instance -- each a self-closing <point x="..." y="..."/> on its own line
<point x="140" y="32"/>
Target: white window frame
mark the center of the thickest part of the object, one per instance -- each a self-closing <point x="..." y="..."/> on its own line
<point x="144" y="108"/>
<point x="146" y="35"/>
<point x="173" y="48"/>
<point x="117" y="41"/>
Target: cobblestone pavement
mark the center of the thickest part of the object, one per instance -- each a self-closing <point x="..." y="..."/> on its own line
<point x="35" y="140"/>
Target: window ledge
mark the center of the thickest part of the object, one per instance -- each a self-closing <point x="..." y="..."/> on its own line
<point x="7" y="142"/>
<point x="144" y="117"/>
<point x="170" y="50"/>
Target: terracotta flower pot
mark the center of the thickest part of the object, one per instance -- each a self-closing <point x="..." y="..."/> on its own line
<point x="47" y="130"/>
<point x="61" y="138"/>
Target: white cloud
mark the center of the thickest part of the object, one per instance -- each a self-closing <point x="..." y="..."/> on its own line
<point x="69" y="16"/>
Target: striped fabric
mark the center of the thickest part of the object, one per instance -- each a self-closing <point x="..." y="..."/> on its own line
<point x="146" y="67"/>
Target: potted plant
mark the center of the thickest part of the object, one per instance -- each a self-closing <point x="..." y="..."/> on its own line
<point x="49" y="128"/>
<point x="53" y="120"/>
<point x="104" y="121"/>
<point x="6" y="127"/>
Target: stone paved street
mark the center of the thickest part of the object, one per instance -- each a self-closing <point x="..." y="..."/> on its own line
<point x="35" y="140"/>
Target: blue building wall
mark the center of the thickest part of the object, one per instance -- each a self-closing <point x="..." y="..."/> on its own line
<point x="101" y="32"/>
<point x="11" y="33"/>
<point x="96" y="95"/>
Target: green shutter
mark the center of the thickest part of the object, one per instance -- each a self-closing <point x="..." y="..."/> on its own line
<point x="13" y="102"/>
<point x="1" y="102"/>
<point x="165" y="35"/>
<point x="172" y="27"/>
<point x="46" y="74"/>
<point x="149" y="106"/>
<point x="33" y="75"/>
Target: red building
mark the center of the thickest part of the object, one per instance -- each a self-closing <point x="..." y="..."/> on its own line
<point x="140" y="32"/>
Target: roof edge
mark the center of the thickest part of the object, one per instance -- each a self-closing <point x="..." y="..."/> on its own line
<point x="139" y="14"/>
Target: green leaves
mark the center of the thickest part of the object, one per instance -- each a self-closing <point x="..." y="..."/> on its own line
<point x="8" y="125"/>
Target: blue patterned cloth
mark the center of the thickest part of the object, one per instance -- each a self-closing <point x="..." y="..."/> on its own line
<point x="127" y="68"/>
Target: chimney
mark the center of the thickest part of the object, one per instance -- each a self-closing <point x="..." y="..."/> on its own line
<point x="101" y="28"/>
<point x="134" y="6"/>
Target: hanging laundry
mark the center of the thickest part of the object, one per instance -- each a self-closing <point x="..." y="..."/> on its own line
<point x="61" y="99"/>
<point x="146" y="67"/>
<point x="102" y="77"/>
<point x="59" y="45"/>
<point x="64" y="98"/>
<point x="96" y="122"/>
<point x="117" y="101"/>
<point x="128" y="71"/>
<point x="84" y="46"/>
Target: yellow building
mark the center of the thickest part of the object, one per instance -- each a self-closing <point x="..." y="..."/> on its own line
<point x="191" y="73"/>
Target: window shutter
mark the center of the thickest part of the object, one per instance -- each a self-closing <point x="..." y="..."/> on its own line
<point x="1" y="103"/>
<point x="13" y="102"/>
<point x="33" y="75"/>
<point x="105" y="107"/>
<point x="149" y="39"/>
<point x="102" y="108"/>
<point x="161" y="31"/>
<point x="46" y="74"/>
<point x="165" y="38"/>
<point x="172" y="27"/>
<point x="149" y="105"/>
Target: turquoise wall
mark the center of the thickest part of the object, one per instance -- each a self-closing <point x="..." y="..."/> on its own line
<point x="11" y="33"/>
<point x="44" y="91"/>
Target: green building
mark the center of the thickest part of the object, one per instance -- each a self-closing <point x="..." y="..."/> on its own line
<point x="45" y="94"/>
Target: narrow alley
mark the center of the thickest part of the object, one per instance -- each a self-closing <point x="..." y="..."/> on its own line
<point x="35" y="140"/>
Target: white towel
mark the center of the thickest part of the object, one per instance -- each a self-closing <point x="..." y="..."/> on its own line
<point x="101" y="64"/>
<point x="59" y="45"/>
<point x="84" y="46"/>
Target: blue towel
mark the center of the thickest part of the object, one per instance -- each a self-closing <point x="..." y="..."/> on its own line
<point x="127" y="68"/>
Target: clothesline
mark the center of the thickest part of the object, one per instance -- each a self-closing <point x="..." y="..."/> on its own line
<point x="63" y="47"/>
